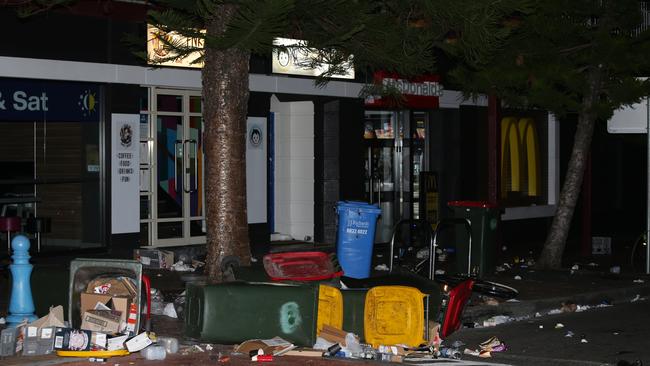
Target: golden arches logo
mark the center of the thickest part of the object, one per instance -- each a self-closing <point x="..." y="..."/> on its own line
<point x="520" y="164"/>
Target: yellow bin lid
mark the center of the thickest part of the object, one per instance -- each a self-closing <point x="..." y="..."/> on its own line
<point x="330" y="308"/>
<point x="394" y="315"/>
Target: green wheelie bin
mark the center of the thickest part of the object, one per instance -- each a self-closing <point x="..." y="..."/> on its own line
<point x="476" y="251"/>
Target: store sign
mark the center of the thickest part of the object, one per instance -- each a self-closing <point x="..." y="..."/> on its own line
<point x="295" y="58"/>
<point x="156" y="50"/>
<point x="419" y="92"/>
<point x="125" y="173"/>
<point x="30" y="100"/>
<point x="520" y="161"/>
<point x="256" y="161"/>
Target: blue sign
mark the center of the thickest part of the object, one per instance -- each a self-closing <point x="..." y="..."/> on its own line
<point x="36" y="100"/>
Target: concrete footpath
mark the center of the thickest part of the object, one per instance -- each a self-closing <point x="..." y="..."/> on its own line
<point x="541" y="292"/>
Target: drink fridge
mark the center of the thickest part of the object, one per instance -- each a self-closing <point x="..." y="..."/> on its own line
<point x="395" y="153"/>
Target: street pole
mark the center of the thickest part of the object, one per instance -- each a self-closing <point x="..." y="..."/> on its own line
<point x="647" y="223"/>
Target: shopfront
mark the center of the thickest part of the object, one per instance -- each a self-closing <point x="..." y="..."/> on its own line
<point x="50" y="162"/>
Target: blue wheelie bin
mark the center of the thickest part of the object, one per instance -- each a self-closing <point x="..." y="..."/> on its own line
<point x="355" y="235"/>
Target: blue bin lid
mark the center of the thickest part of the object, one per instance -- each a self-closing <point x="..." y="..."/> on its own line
<point x="358" y="206"/>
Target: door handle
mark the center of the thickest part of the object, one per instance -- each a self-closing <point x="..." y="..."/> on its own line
<point x="196" y="167"/>
<point x="176" y="163"/>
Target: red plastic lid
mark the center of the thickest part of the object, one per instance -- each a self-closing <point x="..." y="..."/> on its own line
<point x="458" y="297"/>
<point x="300" y="266"/>
<point x="483" y="204"/>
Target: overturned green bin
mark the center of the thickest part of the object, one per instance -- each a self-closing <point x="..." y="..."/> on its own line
<point x="233" y="312"/>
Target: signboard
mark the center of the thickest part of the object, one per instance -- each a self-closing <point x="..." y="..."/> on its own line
<point x="295" y="60"/>
<point x="429" y="198"/>
<point x="630" y="119"/>
<point x="520" y="157"/>
<point x="419" y="92"/>
<point x="256" y="169"/>
<point x="125" y="173"/>
<point x="157" y="51"/>
<point x="36" y="100"/>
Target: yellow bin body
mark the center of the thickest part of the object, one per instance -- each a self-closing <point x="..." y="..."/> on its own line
<point x="394" y="315"/>
<point x="330" y="308"/>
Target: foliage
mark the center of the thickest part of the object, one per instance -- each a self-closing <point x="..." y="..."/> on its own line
<point x="551" y="50"/>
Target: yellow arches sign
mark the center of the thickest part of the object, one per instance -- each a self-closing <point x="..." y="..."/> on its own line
<point x="520" y="164"/>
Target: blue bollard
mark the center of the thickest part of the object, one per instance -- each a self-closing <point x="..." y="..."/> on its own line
<point x="21" y="303"/>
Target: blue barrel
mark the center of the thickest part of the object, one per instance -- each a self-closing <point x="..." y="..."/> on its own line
<point x="355" y="236"/>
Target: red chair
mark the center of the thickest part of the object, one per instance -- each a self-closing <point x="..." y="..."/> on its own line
<point x="458" y="297"/>
<point x="9" y="224"/>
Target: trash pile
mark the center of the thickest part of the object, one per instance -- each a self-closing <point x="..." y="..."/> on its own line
<point x="336" y="343"/>
<point x="164" y="259"/>
<point x="108" y="309"/>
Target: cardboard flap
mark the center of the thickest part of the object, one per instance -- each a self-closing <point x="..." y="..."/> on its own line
<point x="53" y="319"/>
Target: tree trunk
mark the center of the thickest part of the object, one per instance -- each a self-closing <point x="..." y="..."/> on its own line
<point x="551" y="257"/>
<point x="225" y="95"/>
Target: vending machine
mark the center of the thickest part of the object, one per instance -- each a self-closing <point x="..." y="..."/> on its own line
<point x="396" y="152"/>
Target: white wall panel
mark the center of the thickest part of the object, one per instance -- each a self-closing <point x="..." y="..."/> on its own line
<point x="294" y="168"/>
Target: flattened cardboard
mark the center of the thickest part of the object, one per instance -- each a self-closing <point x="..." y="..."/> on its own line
<point x="8" y="341"/>
<point x="53" y="319"/>
<point x="138" y="342"/>
<point x="333" y="334"/>
<point x="38" y="341"/>
<point x="116" y="343"/>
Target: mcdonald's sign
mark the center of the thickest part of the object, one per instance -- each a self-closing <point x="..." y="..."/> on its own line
<point x="520" y="163"/>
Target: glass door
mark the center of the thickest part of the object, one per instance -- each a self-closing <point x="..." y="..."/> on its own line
<point x="395" y="157"/>
<point x="383" y="168"/>
<point x="418" y="164"/>
<point x="176" y="200"/>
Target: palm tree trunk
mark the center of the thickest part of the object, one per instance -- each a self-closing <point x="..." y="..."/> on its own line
<point x="551" y="256"/>
<point x="225" y="86"/>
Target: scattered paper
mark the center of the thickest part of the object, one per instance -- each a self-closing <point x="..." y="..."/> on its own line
<point x="496" y="320"/>
<point x="101" y="306"/>
<point x="559" y="326"/>
<point x="381" y="267"/>
<point x="170" y="311"/>
<point x="638" y="281"/>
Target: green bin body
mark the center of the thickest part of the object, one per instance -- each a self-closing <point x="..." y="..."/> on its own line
<point x="354" y="302"/>
<point x="230" y="313"/>
<point x="484" y="219"/>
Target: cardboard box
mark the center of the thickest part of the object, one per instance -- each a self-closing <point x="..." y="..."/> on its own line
<point x="154" y="258"/>
<point x="117" y="303"/>
<point x="105" y="321"/>
<point x="120" y="286"/>
<point x="38" y="341"/>
<point x="68" y="339"/>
